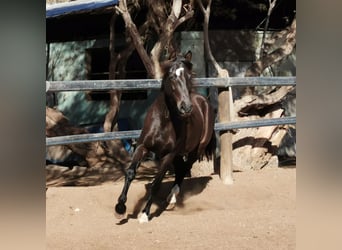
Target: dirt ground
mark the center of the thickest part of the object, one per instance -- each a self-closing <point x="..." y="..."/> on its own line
<point x="256" y="212"/>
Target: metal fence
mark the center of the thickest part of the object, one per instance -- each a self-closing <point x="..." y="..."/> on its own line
<point x="103" y="85"/>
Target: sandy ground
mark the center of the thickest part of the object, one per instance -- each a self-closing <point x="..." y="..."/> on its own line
<point x="256" y="212"/>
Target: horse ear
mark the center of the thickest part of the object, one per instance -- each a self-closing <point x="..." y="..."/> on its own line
<point x="188" y="56"/>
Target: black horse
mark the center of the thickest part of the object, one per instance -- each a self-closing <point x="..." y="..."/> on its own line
<point x="178" y="128"/>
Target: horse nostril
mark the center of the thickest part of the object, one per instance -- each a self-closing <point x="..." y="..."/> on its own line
<point x="189" y="108"/>
<point x="185" y="108"/>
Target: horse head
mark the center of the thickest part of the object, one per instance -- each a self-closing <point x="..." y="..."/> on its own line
<point x="177" y="83"/>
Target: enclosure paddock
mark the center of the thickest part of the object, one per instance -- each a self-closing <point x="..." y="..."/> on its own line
<point x="224" y="84"/>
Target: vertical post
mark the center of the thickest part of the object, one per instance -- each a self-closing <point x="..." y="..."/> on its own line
<point x="47" y="60"/>
<point x="226" y="162"/>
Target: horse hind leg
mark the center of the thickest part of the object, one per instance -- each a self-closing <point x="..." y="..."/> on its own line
<point x="120" y="207"/>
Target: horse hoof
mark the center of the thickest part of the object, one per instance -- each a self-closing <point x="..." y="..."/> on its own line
<point x="171" y="206"/>
<point x="171" y="199"/>
<point x="119" y="216"/>
<point x="143" y="218"/>
<point x="120" y="211"/>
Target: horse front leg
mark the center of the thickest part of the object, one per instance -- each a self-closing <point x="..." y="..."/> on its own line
<point x="165" y="163"/>
<point x="139" y="154"/>
<point x="182" y="167"/>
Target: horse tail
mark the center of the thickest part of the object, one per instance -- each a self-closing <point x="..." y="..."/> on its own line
<point x="210" y="150"/>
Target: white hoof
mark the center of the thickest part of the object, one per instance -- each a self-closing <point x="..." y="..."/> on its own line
<point x="171" y="206"/>
<point x="171" y="199"/>
<point x="143" y="218"/>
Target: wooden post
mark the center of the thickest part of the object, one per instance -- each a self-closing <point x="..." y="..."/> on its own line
<point x="226" y="162"/>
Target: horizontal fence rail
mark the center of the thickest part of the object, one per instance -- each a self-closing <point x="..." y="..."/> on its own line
<point x="83" y="138"/>
<point x="133" y="134"/>
<point x="139" y="84"/>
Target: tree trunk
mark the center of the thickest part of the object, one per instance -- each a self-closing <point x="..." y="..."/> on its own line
<point x="115" y="96"/>
<point x="115" y="148"/>
<point x="224" y="104"/>
<point x="256" y="148"/>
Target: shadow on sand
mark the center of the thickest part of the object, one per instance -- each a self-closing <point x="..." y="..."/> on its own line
<point x="57" y="175"/>
<point x="190" y="187"/>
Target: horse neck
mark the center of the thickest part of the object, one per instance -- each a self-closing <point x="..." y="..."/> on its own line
<point x="171" y="109"/>
<point x="172" y="115"/>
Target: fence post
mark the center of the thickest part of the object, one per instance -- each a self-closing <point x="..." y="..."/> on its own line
<point x="226" y="161"/>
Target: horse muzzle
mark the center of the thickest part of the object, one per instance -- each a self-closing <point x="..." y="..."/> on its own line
<point x="185" y="109"/>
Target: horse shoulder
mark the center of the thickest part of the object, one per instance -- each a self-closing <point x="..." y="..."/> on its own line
<point x="204" y="116"/>
<point x="200" y="100"/>
<point x="157" y="133"/>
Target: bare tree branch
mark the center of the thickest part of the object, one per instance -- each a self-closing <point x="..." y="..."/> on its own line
<point x="164" y="26"/>
<point x="269" y="12"/>
<point x="168" y="28"/>
<point x="189" y="14"/>
<point x="177" y="7"/>
<point x="136" y="38"/>
<point x="275" y="56"/>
